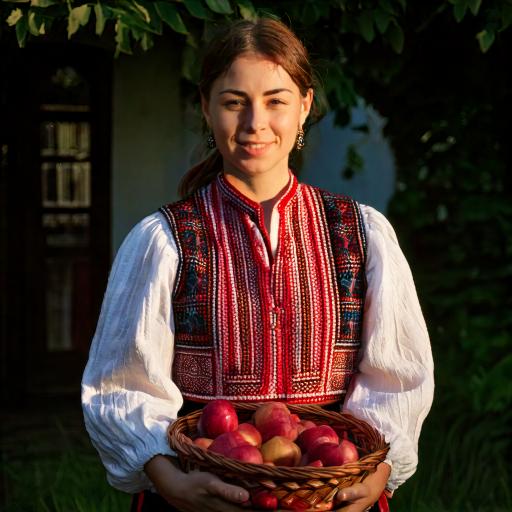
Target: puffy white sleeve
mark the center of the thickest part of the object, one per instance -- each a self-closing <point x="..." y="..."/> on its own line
<point x="394" y="388"/>
<point x="128" y="397"/>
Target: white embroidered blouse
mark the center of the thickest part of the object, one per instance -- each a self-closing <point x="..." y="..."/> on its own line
<point x="128" y="395"/>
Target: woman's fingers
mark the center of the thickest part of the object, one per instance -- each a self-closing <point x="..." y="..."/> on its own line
<point x="228" y="492"/>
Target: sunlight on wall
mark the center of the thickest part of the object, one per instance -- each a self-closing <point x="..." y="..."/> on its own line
<point x="325" y="158"/>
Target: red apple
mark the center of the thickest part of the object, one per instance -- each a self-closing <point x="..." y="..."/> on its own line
<point x="246" y="453"/>
<point x="349" y="450"/>
<point x="304" y="461"/>
<point x="281" y="451"/>
<point x="264" y="500"/>
<point x="270" y="411"/>
<point x="250" y="433"/>
<point x="331" y="454"/>
<point x="274" y="419"/>
<point x="218" y="417"/>
<point x="285" y="428"/>
<point x="314" y="436"/>
<point x="304" y="425"/>
<point x="224" y="443"/>
<point x="203" y="442"/>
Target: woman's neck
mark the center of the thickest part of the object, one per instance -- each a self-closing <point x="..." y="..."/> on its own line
<point x="265" y="189"/>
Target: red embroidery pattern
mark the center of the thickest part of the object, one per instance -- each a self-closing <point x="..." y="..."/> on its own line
<point x="252" y="326"/>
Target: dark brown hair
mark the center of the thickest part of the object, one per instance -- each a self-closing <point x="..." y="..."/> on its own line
<point x="265" y="36"/>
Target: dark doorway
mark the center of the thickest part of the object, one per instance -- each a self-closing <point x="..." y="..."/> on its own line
<point x="54" y="210"/>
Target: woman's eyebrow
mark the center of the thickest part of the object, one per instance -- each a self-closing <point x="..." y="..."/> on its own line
<point x="245" y="95"/>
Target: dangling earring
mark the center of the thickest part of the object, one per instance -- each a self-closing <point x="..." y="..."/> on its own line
<point x="299" y="143"/>
<point x="210" y="141"/>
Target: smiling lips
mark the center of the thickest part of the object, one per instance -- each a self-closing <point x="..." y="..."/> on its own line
<point x="255" y="148"/>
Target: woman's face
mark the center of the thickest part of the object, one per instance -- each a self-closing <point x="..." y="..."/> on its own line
<point x="255" y="111"/>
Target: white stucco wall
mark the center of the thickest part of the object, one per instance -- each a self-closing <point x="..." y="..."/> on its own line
<point x="326" y="152"/>
<point x="148" y="155"/>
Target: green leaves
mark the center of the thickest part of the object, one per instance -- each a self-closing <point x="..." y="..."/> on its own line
<point x="395" y="36"/>
<point x="506" y="16"/>
<point x="14" y="17"/>
<point x="474" y="5"/>
<point x="21" y="30"/>
<point x="78" y="17"/>
<point x="43" y="3"/>
<point x="485" y="39"/>
<point x="459" y="11"/>
<point x="36" y="24"/>
<point x="460" y="8"/>
<point x="197" y="9"/>
<point x="338" y="87"/>
<point x="382" y="20"/>
<point x="365" y="22"/>
<point x="190" y="67"/>
<point x="170" y="15"/>
<point x="354" y="162"/>
<point x="122" y="38"/>
<point x="141" y="19"/>
<point x="99" y="12"/>
<point x="220" y="6"/>
<point x="247" y="9"/>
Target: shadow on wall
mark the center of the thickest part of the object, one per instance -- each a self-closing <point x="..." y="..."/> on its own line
<point x="325" y="158"/>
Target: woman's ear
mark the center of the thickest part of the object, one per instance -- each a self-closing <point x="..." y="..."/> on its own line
<point x="205" y="107"/>
<point x="305" y="107"/>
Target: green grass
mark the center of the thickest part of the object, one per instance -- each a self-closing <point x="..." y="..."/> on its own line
<point x="464" y="466"/>
<point x="72" y="481"/>
<point x="49" y="465"/>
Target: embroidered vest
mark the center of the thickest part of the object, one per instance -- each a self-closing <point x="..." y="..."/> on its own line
<point x="253" y="327"/>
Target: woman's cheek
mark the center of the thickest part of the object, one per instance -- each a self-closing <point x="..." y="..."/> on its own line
<point x="287" y="123"/>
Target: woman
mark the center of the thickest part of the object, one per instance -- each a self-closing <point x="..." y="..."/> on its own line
<point x="254" y="287"/>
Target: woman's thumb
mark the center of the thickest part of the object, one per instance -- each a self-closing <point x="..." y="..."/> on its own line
<point x="351" y="493"/>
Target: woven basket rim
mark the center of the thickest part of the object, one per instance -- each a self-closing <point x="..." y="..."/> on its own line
<point x="183" y="445"/>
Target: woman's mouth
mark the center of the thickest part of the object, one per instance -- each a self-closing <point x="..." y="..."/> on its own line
<point x="255" y="148"/>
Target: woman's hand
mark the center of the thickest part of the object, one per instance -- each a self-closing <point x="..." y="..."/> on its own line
<point x="197" y="490"/>
<point x="360" y="496"/>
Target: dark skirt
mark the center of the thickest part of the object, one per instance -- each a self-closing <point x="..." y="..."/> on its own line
<point x="148" y="501"/>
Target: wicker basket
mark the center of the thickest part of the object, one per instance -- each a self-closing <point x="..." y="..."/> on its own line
<point x="297" y="488"/>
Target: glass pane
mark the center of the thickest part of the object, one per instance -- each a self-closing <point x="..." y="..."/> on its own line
<point x="66" y="229"/>
<point x="58" y="304"/>
<point x="65" y="89"/>
<point x="66" y="184"/>
<point x="48" y="138"/>
<point x="64" y="138"/>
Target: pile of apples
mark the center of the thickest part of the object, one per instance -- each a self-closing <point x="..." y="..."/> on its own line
<point x="274" y="436"/>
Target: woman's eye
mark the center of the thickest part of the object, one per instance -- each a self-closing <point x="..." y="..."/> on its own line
<point x="276" y="101"/>
<point x="234" y="103"/>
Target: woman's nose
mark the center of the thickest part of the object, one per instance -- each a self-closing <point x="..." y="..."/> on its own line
<point x="255" y="118"/>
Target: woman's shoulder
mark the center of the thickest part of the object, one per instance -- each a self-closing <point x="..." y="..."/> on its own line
<point x="151" y="230"/>
<point x="372" y="217"/>
<point x="376" y="222"/>
<point x="327" y="194"/>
